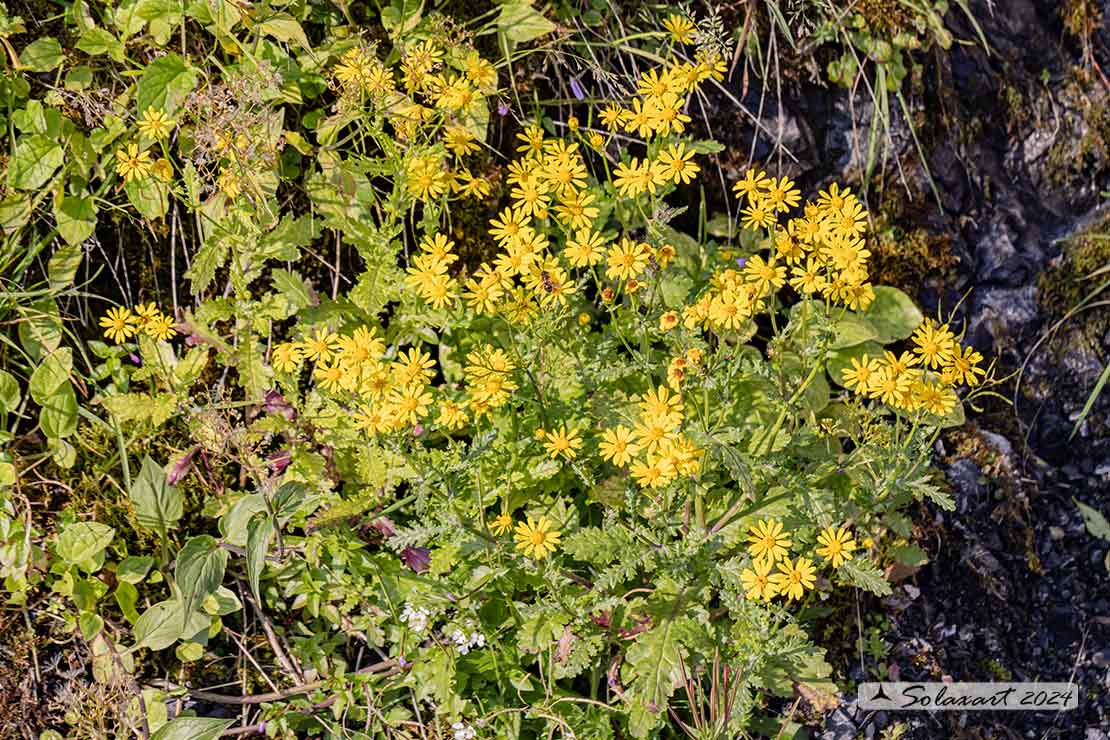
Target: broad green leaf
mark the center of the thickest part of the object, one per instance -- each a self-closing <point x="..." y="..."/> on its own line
<point x="97" y="41"/>
<point x="284" y="28"/>
<point x="150" y="196"/>
<point x="134" y="568"/>
<point x="42" y="55"/>
<point x="156" y="409"/>
<point x="519" y="22"/>
<point x="159" y="626"/>
<point x="909" y="555"/>
<point x="50" y="375"/>
<point x="850" y="330"/>
<point x="893" y="314"/>
<point x="127" y="596"/>
<point x="76" y="218"/>
<point x="58" y="416"/>
<point x="157" y="504"/>
<point x="82" y="544"/>
<point x="62" y="267"/>
<point x="652" y="665"/>
<point x="1096" y="523"/>
<point x="259" y="533"/>
<point x="34" y="160"/>
<point x="9" y="392"/>
<point x="15" y="212"/>
<point x="233" y="524"/>
<point x="199" y="570"/>
<point x="165" y="84"/>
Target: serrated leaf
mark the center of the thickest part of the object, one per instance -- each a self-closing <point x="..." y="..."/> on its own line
<point x="862" y="572"/>
<point x="97" y="41"/>
<point x="652" y="664"/>
<point x="158" y="505"/>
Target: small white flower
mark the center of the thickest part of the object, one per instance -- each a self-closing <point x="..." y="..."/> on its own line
<point x="415" y="618"/>
<point x="462" y="732"/>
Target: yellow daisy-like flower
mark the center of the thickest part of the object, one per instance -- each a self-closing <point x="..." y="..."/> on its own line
<point x="862" y="374"/>
<point x="321" y="347"/>
<point x="155" y="124"/>
<point x="934" y="344"/>
<point x="617" y="445"/>
<point x="681" y="28"/>
<point x="768" y="540"/>
<point x="132" y="164"/>
<point x="755" y="182"/>
<point x="668" y="321"/>
<point x="793" y="579"/>
<point x="678" y="163"/>
<point x="286" y="357"/>
<point x="536" y="539"/>
<point x="501" y="524"/>
<point x="562" y="443"/>
<point x="160" y="327"/>
<point x="836" y="545"/>
<point x="964" y="366"/>
<point x="757" y="580"/>
<point x="118" y="324"/>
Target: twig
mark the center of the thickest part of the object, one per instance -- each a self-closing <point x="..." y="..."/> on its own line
<point x="388" y="667"/>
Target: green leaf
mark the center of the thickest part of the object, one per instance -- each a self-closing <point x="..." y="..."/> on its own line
<point x="159" y="626"/>
<point x="842" y="359"/>
<point x="42" y="55"/>
<point x="850" y="330"/>
<point x="199" y="570"/>
<point x="157" y="504"/>
<point x="259" y="533"/>
<point x="284" y="28"/>
<point x="910" y="556"/>
<point x="98" y="41"/>
<point x="58" y="416"/>
<point x="76" y="218"/>
<point x="150" y="196"/>
<point x="51" y="374"/>
<point x="294" y="287"/>
<point x="519" y="22"/>
<point x="165" y="84"/>
<point x="156" y="409"/>
<point x="1096" y="523"/>
<point x="33" y="161"/>
<point x="134" y="569"/>
<point x="83" y="543"/>
<point x="864" y="573"/>
<point x="653" y="664"/>
<point x="40" y="331"/>
<point x="62" y="267"/>
<point x="893" y="314"/>
<point x="9" y="392"/>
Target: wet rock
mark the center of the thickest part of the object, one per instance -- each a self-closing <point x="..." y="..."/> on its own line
<point x="968" y="481"/>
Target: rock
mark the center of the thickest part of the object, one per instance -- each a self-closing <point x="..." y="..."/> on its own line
<point x="968" y="481"/>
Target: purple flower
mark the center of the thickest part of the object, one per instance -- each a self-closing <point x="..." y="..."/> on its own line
<point x="279" y="461"/>
<point x="134" y="358"/>
<point x="182" y="467"/>
<point x="417" y="558"/>
<point x="741" y="261"/>
<point x="576" y="89"/>
<point x="502" y="109"/>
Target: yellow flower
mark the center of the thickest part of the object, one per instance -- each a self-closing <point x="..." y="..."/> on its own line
<point x="861" y="375"/>
<point x="502" y="523"/>
<point x="611" y="116"/>
<point x="793" y="579"/>
<point x="410" y="403"/>
<point x="532" y="136"/>
<point x="536" y="539"/>
<point x="286" y="357"/>
<point x="933" y="344"/>
<point x="767" y="540"/>
<point x="836" y="545"/>
<point x="459" y="141"/>
<point x="132" y="164"/>
<point x="563" y="443"/>
<point x="938" y="400"/>
<point x="626" y="260"/>
<point x="757" y="580"/>
<point x="754" y="183"/>
<point x="585" y="248"/>
<point x="321" y="347"/>
<point x="964" y="367"/>
<point x="617" y="445"/>
<point x="782" y="195"/>
<point x="668" y="321"/>
<point x="681" y="28"/>
<point x="155" y="124"/>
<point x="118" y="324"/>
<point x="160" y="327"/>
<point x="662" y="407"/>
<point x="678" y="163"/>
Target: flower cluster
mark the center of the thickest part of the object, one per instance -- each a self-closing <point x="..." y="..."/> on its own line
<point x="654" y="448"/>
<point x="769" y="545"/>
<point x="121" y="323"/>
<point x="921" y="379"/>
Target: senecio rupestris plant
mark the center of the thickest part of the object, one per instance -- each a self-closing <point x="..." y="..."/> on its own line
<point x="525" y="490"/>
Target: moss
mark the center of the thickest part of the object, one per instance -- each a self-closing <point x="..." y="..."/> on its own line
<point x="904" y="255"/>
<point x="1081" y="135"/>
<point x="1067" y="281"/>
